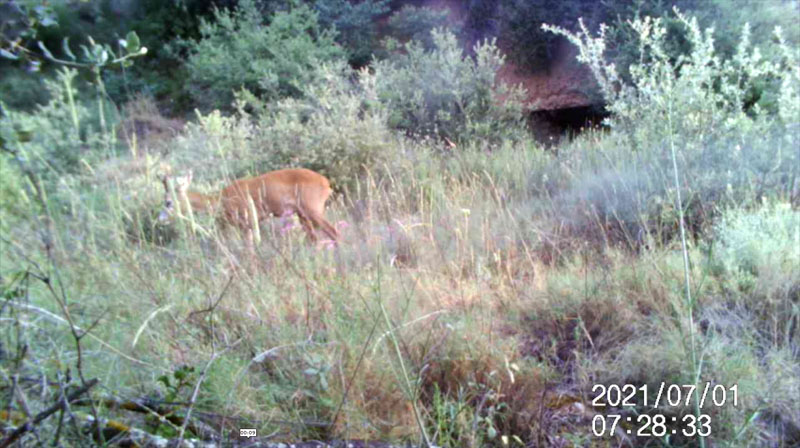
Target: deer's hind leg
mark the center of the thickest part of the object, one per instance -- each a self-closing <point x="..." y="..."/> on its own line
<point x="316" y="213"/>
<point x="323" y="224"/>
<point x="308" y="226"/>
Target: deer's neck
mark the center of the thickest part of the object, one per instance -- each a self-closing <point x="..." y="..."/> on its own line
<point x="206" y="203"/>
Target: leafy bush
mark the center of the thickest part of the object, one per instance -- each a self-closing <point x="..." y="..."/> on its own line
<point x="144" y="128"/>
<point x="20" y="90"/>
<point x="606" y="193"/>
<point x="336" y="127"/>
<point x="216" y="146"/>
<point x="417" y="23"/>
<point x="331" y="128"/>
<point x="445" y="92"/>
<point x="693" y="97"/>
<point x="355" y="24"/>
<point x="156" y="23"/>
<point x="516" y="25"/>
<point x="56" y="135"/>
<point x="528" y="45"/>
<point x="756" y="260"/>
<point x="694" y="105"/>
<point x="753" y="244"/>
<point x="273" y="61"/>
<point x="727" y="17"/>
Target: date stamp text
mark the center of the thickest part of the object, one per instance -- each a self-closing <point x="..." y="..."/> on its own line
<point x="659" y="422"/>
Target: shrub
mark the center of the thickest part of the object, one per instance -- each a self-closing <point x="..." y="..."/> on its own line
<point x="528" y="45"/>
<point x="695" y="96"/>
<point x="144" y="128"/>
<point x="333" y="128"/>
<point x="273" y="61"/>
<point x="761" y="244"/>
<point x="355" y="24"/>
<point x="21" y="91"/>
<point x="336" y="127"/>
<point x="417" y="23"/>
<point x="516" y="24"/>
<point x="216" y="146"/>
<point x="445" y="92"/>
<point x="609" y="194"/>
<point x="727" y="17"/>
<point x="696" y="106"/>
<point x="156" y="23"/>
<point x="57" y="134"/>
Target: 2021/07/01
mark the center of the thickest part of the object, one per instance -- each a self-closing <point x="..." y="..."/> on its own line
<point x="672" y="395"/>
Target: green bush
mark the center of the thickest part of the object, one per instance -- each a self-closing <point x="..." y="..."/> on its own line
<point x="516" y="23"/>
<point x="156" y="23"/>
<point x="57" y="135"/>
<point x="755" y="258"/>
<point x="355" y="23"/>
<point x="216" y="147"/>
<point x="417" y="23"/>
<point x="607" y="193"/>
<point x="273" y="61"/>
<point x="330" y="128"/>
<point x="726" y="17"/>
<point x="696" y="106"/>
<point x="520" y="31"/>
<point x="696" y="96"/>
<point x="444" y="92"/>
<point x="336" y="127"/>
<point x="752" y="245"/>
<point x="20" y="90"/>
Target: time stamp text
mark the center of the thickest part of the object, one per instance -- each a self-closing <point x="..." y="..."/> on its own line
<point x="665" y="395"/>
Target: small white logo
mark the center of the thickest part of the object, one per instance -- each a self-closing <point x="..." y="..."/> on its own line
<point x="247" y="433"/>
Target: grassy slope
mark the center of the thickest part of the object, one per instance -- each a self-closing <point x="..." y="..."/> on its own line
<point x="504" y="319"/>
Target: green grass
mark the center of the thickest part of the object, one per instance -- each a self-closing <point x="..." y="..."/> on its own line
<point x="495" y="312"/>
<point x="477" y="295"/>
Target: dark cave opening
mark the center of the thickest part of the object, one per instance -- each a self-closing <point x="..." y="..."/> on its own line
<point x="553" y="125"/>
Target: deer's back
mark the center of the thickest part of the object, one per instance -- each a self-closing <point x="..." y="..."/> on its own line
<point x="276" y="192"/>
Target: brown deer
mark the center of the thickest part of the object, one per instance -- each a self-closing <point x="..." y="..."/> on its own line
<point x="278" y="193"/>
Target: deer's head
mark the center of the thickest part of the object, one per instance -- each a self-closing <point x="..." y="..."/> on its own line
<point x="174" y="188"/>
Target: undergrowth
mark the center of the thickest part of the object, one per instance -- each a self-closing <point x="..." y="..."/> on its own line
<point x="477" y="294"/>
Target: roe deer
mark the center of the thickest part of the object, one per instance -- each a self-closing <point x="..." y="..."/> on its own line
<point x="277" y="193"/>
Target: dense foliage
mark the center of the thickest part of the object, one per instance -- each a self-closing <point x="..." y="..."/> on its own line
<point x="695" y="103"/>
<point x="355" y="25"/>
<point x="479" y="291"/>
<point x="444" y="91"/>
<point x="416" y="23"/>
<point x="517" y="24"/>
<point x="238" y="50"/>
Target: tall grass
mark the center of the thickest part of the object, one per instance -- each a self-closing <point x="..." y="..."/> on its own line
<point x="476" y="296"/>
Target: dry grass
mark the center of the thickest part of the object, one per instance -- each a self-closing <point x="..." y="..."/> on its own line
<point x="500" y="333"/>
